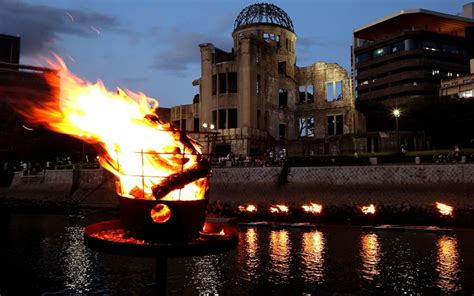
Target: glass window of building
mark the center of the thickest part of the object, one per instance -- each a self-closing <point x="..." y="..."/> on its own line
<point x="379" y="52"/>
<point x="466" y="94"/>
<point x="428" y="45"/>
<point x="450" y="49"/>
<point x="306" y="126"/>
<point x="397" y="47"/>
<point x="362" y="57"/>
<point x="214" y="117"/>
<point x="338" y="89"/>
<point x="410" y="44"/>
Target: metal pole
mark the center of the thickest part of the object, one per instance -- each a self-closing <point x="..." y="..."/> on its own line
<point x="398" y="137"/>
<point x="161" y="275"/>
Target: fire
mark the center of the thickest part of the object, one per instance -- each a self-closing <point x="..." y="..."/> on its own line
<point x="279" y="209"/>
<point x="313" y="208"/>
<point x="370" y="209"/>
<point x="249" y="208"/>
<point x="145" y="153"/>
<point x="444" y="209"/>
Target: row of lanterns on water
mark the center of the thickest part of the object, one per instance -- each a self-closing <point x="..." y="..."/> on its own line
<point x="314" y="208"/>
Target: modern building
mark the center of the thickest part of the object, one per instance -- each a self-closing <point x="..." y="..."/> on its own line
<point x="19" y="83"/>
<point x="404" y="56"/>
<point x="258" y="99"/>
<point x="459" y="87"/>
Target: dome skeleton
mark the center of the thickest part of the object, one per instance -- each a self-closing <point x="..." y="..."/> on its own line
<point x="263" y="13"/>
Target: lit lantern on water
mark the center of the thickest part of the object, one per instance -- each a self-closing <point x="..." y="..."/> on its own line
<point x="444" y="209"/>
<point x="278" y="209"/>
<point x="368" y="210"/>
<point x="248" y="208"/>
<point x="312" y="208"/>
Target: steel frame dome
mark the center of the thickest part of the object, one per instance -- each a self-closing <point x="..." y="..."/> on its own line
<point x="263" y="13"/>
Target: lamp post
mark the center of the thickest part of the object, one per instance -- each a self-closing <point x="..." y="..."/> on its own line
<point x="396" y="114"/>
<point x="208" y="128"/>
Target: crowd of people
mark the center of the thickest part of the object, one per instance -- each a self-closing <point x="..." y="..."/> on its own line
<point x="268" y="158"/>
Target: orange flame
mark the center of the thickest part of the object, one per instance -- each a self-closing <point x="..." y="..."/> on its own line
<point x="370" y="209"/>
<point x="444" y="209"/>
<point x="313" y="208"/>
<point x="249" y="208"/>
<point x="138" y="148"/>
<point x="278" y="209"/>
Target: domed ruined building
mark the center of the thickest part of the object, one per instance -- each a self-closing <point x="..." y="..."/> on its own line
<point x="259" y="99"/>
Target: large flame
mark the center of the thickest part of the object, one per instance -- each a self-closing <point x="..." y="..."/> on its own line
<point x="139" y="148"/>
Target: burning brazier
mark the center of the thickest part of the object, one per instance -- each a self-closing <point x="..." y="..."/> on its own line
<point x="171" y="206"/>
<point x="163" y="195"/>
<point x="162" y="172"/>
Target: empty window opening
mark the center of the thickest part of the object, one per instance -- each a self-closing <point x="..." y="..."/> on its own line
<point x="214" y="85"/>
<point x="335" y="125"/>
<point x="222" y="119"/>
<point x="306" y="126"/>
<point x="334" y="91"/>
<point x="282" y="98"/>
<point x="281" y="67"/>
<point x="232" y="78"/>
<point x="222" y="83"/>
<point x="282" y="130"/>
<point x="232" y="118"/>
<point x="258" y="84"/>
<point x="196" y="124"/>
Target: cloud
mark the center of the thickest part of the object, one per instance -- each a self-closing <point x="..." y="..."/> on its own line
<point x="40" y="27"/>
<point x="181" y="51"/>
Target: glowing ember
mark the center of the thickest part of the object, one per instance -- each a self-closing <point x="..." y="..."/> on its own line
<point x="278" y="209"/>
<point x="249" y="208"/>
<point x="444" y="209"/>
<point x="370" y="209"/>
<point x="313" y="208"/>
<point x="160" y="213"/>
<point x="148" y="156"/>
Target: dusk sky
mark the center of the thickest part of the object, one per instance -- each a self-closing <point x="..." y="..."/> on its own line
<point x="152" y="46"/>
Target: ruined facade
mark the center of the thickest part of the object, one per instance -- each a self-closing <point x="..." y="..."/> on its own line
<point x="258" y="99"/>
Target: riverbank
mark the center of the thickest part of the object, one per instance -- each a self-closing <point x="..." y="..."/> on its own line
<point x="402" y="193"/>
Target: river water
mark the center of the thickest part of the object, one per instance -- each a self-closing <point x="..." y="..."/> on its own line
<point x="45" y="254"/>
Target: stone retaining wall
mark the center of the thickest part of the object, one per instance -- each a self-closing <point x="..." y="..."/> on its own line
<point x="390" y="184"/>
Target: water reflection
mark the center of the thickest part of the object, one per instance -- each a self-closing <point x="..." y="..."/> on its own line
<point x="77" y="262"/>
<point x="313" y="256"/>
<point x="250" y="253"/>
<point x="280" y="258"/>
<point x="370" y="254"/>
<point x="448" y="264"/>
<point x="206" y="275"/>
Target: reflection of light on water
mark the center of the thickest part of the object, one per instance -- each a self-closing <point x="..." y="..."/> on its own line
<point x="207" y="275"/>
<point x="448" y="264"/>
<point x="250" y="251"/>
<point x="280" y="254"/>
<point x="313" y="256"/>
<point x="370" y="254"/>
<point x="77" y="263"/>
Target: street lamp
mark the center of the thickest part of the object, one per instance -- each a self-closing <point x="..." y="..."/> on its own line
<point x="396" y="114"/>
<point x="208" y="128"/>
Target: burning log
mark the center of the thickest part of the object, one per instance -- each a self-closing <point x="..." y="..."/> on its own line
<point x="179" y="180"/>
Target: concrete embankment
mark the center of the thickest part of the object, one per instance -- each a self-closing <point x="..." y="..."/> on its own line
<point x="413" y="185"/>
